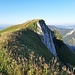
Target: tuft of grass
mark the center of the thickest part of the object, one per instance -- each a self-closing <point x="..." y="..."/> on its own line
<point x="33" y="65"/>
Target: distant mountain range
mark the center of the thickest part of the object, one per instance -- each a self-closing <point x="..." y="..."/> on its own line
<point x="69" y="38"/>
<point x="2" y="26"/>
<point x="62" y="30"/>
<point x="66" y="26"/>
<point x="68" y="35"/>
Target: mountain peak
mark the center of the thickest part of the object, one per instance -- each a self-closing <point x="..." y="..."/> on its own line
<point x="39" y="27"/>
<point x="44" y="32"/>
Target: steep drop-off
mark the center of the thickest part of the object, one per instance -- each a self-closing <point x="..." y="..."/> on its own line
<point x="64" y="53"/>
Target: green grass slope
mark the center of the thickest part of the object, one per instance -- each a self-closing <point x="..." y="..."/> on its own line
<point x="19" y="40"/>
<point x="64" y="53"/>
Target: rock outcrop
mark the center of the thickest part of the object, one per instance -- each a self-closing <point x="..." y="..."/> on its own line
<point x="46" y="36"/>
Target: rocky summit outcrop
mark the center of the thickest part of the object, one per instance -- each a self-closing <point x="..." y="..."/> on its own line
<point x="46" y="36"/>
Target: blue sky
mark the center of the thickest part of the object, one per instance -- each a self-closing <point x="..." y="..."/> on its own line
<point x="52" y="11"/>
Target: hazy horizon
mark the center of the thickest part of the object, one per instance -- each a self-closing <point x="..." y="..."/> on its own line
<point x="58" y="26"/>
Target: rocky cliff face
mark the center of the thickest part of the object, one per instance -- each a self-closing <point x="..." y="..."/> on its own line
<point x="46" y="36"/>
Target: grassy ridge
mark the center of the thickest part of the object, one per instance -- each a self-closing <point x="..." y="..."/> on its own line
<point x="18" y="27"/>
<point x="21" y="39"/>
